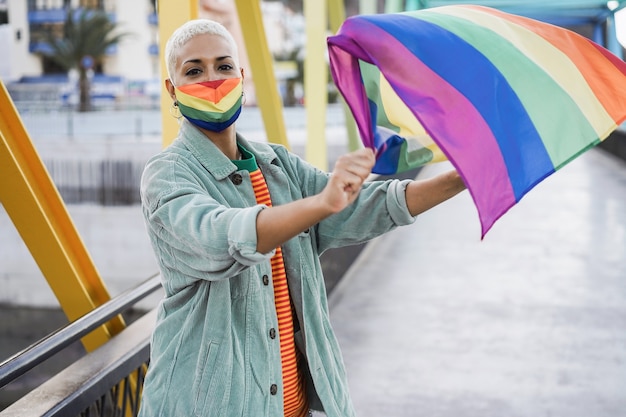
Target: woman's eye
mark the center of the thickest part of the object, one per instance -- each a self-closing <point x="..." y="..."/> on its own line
<point x="193" y="71"/>
<point x="225" y="67"/>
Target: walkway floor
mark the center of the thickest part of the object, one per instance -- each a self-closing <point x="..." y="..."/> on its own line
<point x="434" y="322"/>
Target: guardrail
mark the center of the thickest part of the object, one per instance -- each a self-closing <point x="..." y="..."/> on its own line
<point x="106" y="381"/>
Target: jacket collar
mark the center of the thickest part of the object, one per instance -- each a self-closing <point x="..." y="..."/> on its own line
<point x="212" y="158"/>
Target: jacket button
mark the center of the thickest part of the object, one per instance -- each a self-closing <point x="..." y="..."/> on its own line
<point x="273" y="389"/>
<point x="272" y="333"/>
<point x="236" y="179"/>
<point x="266" y="280"/>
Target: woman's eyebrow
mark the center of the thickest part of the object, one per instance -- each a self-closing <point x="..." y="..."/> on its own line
<point x="199" y="61"/>
<point x="193" y="61"/>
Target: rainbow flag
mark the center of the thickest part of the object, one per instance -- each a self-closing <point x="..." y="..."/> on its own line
<point x="507" y="99"/>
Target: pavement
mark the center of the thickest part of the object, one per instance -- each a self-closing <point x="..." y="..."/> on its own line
<point x="529" y="322"/>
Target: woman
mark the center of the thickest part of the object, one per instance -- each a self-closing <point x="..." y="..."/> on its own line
<point x="237" y="228"/>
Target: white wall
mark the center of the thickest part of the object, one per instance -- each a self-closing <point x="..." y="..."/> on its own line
<point x="6" y="35"/>
<point x="133" y="60"/>
<point x="21" y="62"/>
<point x="115" y="238"/>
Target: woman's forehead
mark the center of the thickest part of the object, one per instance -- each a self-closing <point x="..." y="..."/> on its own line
<point x="205" y="46"/>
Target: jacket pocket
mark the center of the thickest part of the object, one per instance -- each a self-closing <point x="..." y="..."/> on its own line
<point x="202" y="380"/>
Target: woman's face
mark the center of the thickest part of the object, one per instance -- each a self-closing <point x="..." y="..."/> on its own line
<point x="205" y="58"/>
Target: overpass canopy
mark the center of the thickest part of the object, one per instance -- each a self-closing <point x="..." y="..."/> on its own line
<point x="597" y="15"/>
<point x="560" y="12"/>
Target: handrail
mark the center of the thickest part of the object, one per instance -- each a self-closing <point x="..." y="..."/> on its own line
<point x="98" y="384"/>
<point x="38" y="352"/>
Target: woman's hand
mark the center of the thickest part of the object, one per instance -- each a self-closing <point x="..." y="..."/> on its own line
<point x="350" y="172"/>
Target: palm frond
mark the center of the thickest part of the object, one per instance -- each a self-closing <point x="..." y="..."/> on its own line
<point x="85" y="33"/>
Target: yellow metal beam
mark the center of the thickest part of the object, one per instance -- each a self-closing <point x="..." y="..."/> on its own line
<point x="337" y="15"/>
<point x="262" y="63"/>
<point x="41" y="218"/>
<point x="315" y="82"/>
<point x="172" y="14"/>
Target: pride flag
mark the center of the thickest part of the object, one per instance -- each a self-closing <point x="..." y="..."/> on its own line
<point x="507" y="99"/>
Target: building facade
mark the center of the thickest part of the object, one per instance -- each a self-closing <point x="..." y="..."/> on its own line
<point x="135" y="58"/>
<point x="132" y="67"/>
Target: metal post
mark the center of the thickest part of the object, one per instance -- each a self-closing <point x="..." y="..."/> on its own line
<point x="316" y="82"/>
<point x="39" y="215"/>
<point x="172" y="14"/>
<point x="262" y="63"/>
<point x="337" y="14"/>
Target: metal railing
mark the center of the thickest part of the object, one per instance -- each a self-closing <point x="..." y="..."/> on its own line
<point x="106" y="381"/>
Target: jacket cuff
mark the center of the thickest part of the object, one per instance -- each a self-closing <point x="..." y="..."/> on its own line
<point x="242" y="237"/>
<point x="396" y="203"/>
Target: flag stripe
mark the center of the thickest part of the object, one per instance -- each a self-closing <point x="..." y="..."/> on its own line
<point x="470" y="132"/>
<point x="507" y="140"/>
<point x="585" y="56"/>
<point x="573" y="109"/>
<point x="507" y="99"/>
<point x="393" y="112"/>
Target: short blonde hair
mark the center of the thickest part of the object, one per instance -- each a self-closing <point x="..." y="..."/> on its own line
<point x="189" y="30"/>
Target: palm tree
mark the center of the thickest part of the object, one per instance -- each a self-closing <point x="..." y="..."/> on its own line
<point x="83" y="43"/>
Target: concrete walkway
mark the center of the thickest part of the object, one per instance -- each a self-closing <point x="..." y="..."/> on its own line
<point x="531" y="321"/>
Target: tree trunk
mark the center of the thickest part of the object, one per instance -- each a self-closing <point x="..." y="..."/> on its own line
<point x="84" y="103"/>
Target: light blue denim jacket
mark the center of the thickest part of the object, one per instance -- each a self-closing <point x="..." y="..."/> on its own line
<point x="211" y="353"/>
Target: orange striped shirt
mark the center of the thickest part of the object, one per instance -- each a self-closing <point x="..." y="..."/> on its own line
<point x="294" y="395"/>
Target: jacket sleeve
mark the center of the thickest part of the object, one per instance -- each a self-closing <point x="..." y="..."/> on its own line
<point x="192" y="231"/>
<point x="380" y="207"/>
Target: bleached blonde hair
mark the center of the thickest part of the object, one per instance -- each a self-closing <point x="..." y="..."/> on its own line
<point x="189" y="30"/>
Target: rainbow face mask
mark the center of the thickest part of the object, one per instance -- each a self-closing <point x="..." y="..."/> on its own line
<point x="211" y="105"/>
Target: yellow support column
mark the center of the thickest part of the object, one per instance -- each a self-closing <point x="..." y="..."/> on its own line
<point x="315" y="82"/>
<point x="172" y="14"/>
<point x="41" y="218"/>
<point x="337" y="15"/>
<point x="262" y="63"/>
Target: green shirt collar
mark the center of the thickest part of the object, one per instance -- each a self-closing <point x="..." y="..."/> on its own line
<point x="247" y="161"/>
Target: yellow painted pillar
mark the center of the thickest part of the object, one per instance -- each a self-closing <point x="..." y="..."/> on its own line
<point x="337" y="15"/>
<point x="262" y="63"/>
<point x="172" y="14"/>
<point x="36" y="209"/>
<point x="315" y="82"/>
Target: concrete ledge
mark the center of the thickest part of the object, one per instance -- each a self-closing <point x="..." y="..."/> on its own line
<point x="80" y="384"/>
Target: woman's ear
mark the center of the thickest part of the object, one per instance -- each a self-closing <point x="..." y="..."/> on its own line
<point x="242" y="74"/>
<point x="170" y="89"/>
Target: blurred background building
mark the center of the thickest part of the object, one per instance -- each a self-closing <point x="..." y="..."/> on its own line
<point x="130" y="69"/>
<point x="129" y="74"/>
